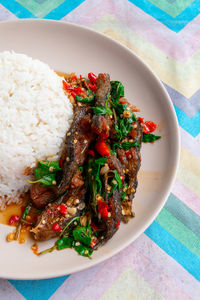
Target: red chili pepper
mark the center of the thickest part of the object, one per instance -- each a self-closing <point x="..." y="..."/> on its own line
<point x="128" y="153"/>
<point x="93" y="242"/>
<point x="61" y="163"/>
<point x="74" y="78"/>
<point x="149" y="126"/>
<point x="56" y="227"/>
<point x="92" y="77"/>
<point x="92" y="87"/>
<point x="118" y="222"/>
<point x="141" y="120"/>
<point x="122" y="178"/>
<point x="13" y="220"/>
<point x="74" y="90"/>
<point x="103" y="209"/>
<point x="23" y="208"/>
<point x="91" y="152"/>
<point x="81" y="77"/>
<point x="63" y="209"/>
<point x="102" y="148"/>
<point x="95" y="227"/>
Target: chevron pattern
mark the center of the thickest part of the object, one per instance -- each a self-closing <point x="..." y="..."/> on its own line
<point x="164" y="262"/>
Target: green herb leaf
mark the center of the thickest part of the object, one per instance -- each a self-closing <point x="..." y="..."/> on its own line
<point x="46" y="180"/>
<point x="80" y="169"/>
<point x="64" y="242"/>
<point x="117" y="178"/>
<point x="99" y="110"/>
<point x="149" y="137"/>
<point x="125" y="145"/>
<point x="117" y="89"/>
<point x="83" y="235"/>
<point x="88" y="99"/>
<point x="83" y="250"/>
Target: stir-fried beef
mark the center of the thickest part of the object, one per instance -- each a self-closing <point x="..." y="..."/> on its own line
<point x="42" y="195"/>
<point x="74" y="202"/>
<point x="78" y="139"/>
<point x="108" y="195"/>
<point x="101" y="123"/>
<point x="110" y="224"/>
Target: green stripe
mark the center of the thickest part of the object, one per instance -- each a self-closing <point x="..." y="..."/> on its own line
<point x="184" y="214"/>
<point x="179" y="231"/>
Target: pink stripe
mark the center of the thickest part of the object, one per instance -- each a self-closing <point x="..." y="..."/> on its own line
<point x="186" y="196"/>
<point x="189" y="142"/>
<point x="166" y="263"/>
<point x="167" y="41"/>
<point x="131" y="257"/>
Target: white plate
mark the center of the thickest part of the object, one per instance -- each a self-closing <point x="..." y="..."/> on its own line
<point x="68" y="48"/>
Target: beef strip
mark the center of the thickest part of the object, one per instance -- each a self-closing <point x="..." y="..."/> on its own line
<point x="42" y="195"/>
<point x="110" y="225"/>
<point x="74" y="201"/>
<point x="78" y="140"/>
<point x="101" y="123"/>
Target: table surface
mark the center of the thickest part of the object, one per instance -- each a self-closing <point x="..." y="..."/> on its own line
<point x="164" y="262"/>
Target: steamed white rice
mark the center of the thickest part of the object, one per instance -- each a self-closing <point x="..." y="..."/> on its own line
<point x="35" y="114"/>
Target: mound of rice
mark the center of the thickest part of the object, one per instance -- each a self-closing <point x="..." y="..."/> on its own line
<point x="35" y="114"/>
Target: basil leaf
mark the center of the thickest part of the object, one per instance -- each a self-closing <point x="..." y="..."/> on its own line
<point x="81" y="249"/>
<point x="88" y="99"/>
<point x="100" y="161"/>
<point x="43" y="168"/>
<point x="149" y="137"/>
<point x="125" y="145"/>
<point x="114" y="186"/>
<point x="47" y="180"/>
<point x="99" y="110"/>
<point x="65" y="242"/>
<point x="47" y="164"/>
<point x="80" y="168"/>
<point x="83" y="235"/>
<point x="117" y="89"/>
<point x="118" y="179"/>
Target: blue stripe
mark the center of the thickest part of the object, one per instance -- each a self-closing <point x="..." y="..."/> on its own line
<point x="174" y="248"/>
<point x="191" y="125"/>
<point x="38" y="289"/>
<point x="175" y="24"/>
<point x="17" y="9"/>
<point x="183" y="213"/>
<point x="190" y="106"/>
<point x="63" y="9"/>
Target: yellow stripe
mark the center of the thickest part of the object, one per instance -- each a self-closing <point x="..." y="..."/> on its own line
<point x="190" y="162"/>
<point x="130" y="285"/>
<point x="182" y="77"/>
<point x="189" y="179"/>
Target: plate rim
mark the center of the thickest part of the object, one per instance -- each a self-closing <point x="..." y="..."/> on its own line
<point x="173" y="172"/>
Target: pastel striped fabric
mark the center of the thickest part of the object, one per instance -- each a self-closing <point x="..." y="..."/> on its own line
<point x="164" y="262"/>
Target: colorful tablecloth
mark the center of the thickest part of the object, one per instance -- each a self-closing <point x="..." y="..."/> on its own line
<point x="164" y="262"/>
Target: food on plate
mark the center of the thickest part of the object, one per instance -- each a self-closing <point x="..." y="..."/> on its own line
<point x="83" y="193"/>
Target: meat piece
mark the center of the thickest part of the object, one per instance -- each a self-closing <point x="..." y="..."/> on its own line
<point x="78" y="140"/>
<point x="74" y="202"/>
<point x="111" y="223"/>
<point x="115" y="164"/>
<point x="101" y="123"/>
<point x="42" y="195"/>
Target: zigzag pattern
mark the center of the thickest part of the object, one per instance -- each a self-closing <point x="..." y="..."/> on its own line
<point x="166" y="35"/>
